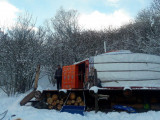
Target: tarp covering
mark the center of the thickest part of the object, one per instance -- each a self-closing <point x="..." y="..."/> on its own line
<point x="119" y="69"/>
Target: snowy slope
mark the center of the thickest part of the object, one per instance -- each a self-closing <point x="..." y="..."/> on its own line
<point x="29" y="113"/>
<point x="44" y="84"/>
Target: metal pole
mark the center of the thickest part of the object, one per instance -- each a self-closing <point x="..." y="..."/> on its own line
<point x="105" y="47"/>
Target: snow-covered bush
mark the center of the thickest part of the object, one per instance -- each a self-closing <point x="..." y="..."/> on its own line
<point x="21" y="51"/>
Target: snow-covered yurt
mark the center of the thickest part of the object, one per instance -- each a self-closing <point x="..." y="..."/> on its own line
<point x="126" y="69"/>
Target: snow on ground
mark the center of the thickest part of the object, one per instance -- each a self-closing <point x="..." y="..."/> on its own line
<point x="27" y="112"/>
<point x="43" y="83"/>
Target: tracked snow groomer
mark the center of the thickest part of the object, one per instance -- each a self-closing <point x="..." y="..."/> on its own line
<point x="113" y="81"/>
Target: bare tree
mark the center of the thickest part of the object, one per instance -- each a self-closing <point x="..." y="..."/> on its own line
<point x="22" y="51"/>
<point x="63" y="32"/>
<point x="156" y="6"/>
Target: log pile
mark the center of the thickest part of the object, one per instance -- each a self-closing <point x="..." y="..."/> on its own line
<point x="75" y="100"/>
<point x="54" y="102"/>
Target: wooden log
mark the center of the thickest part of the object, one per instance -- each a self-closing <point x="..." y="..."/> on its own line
<point x="50" y="106"/>
<point x="73" y="101"/>
<point x="54" y="97"/>
<point x="61" y="102"/>
<point x="81" y="103"/>
<point x="57" y="101"/>
<point x="79" y="99"/>
<point x="59" y="107"/>
<point x="32" y="94"/>
<point x="37" y="77"/>
<point x="27" y="98"/>
<point x="49" y="100"/>
<point x="72" y="96"/>
<point x="69" y="102"/>
<point x="54" y="103"/>
<point x="76" y="104"/>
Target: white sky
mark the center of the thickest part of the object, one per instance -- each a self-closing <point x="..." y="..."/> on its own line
<point x="97" y="20"/>
<point x="94" y="14"/>
<point x="8" y="13"/>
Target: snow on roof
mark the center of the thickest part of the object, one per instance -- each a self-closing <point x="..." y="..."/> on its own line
<point x="117" y="52"/>
<point x="81" y="61"/>
<point x="94" y="88"/>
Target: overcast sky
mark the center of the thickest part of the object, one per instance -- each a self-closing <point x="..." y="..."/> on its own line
<point x="94" y="14"/>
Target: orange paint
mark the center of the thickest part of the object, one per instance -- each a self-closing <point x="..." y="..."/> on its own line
<point x="71" y="76"/>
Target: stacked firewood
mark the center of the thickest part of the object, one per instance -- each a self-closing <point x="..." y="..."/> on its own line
<point x="54" y="102"/>
<point x="75" y="100"/>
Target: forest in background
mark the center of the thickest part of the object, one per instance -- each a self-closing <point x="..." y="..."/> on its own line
<point x="62" y="41"/>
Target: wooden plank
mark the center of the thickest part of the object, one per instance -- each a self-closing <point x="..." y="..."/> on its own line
<point x="32" y="94"/>
<point x="37" y="77"/>
<point x="27" y="98"/>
